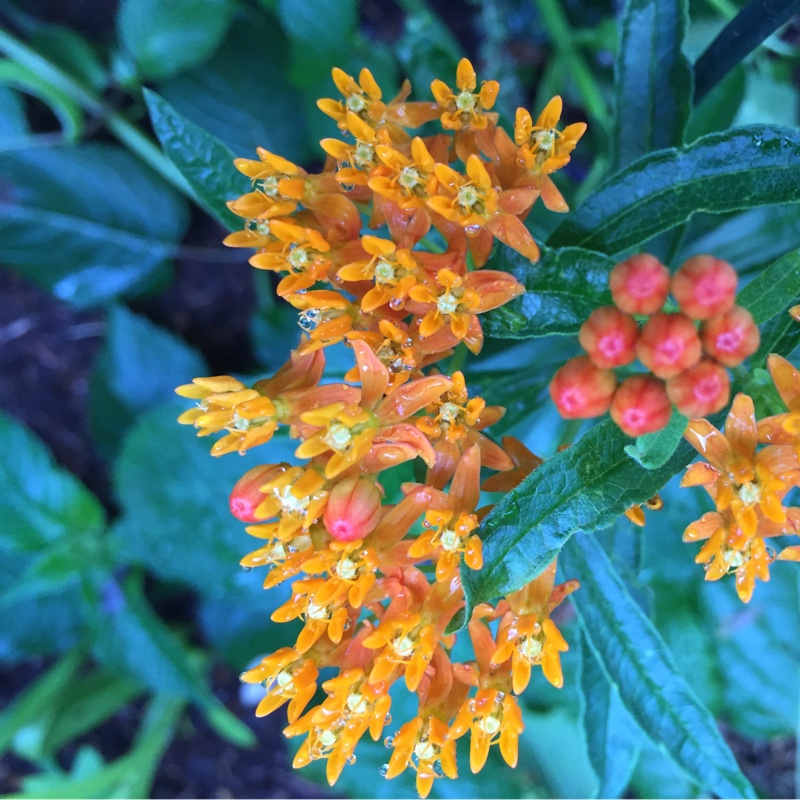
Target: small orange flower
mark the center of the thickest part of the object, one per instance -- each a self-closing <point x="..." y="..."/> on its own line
<point x="288" y="677"/>
<point x="326" y="316"/>
<point x="467" y="109"/>
<point x="450" y="533"/>
<point x="783" y="428"/>
<point x="424" y="745"/>
<point x="356" y="161"/>
<point x="394" y="272"/>
<point x="490" y="717"/>
<point x="408" y="182"/>
<point x="350" y="564"/>
<point x="297" y="496"/>
<point x="528" y="636"/>
<point x="304" y="256"/>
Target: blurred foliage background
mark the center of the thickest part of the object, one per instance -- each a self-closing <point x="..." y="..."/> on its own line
<point x="125" y="619"/>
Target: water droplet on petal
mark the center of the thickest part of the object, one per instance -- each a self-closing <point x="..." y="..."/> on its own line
<point x="384" y="770"/>
<point x="388" y="741"/>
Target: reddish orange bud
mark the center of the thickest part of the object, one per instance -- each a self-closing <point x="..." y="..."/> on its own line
<point x="246" y="497"/>
<point x="701" y="390"/>
<point x="641" y="405"/>
<point x="639" y="285"/>
<point x="353" y="510"/>
<point x="731" y="337"/>
<point x="705" y="287"/>
<point x="609" y="337"/>
<point x="668" y="344"/>
<point x="580" y="389"/>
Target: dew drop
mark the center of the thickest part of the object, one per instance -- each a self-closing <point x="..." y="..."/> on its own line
<point x="388" y="741"/>
<point x="384" y="770"/>
<point x="351" y="759"/>
<point x="247" y="569"/>
<point x="387" y="719"/>
<point x="438" y="769"/>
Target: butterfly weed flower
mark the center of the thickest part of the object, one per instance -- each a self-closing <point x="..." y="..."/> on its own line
<point x="375" y="573"/>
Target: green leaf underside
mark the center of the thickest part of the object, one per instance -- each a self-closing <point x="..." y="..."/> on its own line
<point x="205" y="162"/>
<point x="561" y="290"/>
<point x="652" y="78"/>
<point x="112" y="223"/>
<point x="742" y="168"/>
<point x="611" y="735"/>
<point x="635" y="659"/>
<point x="653" y="450"/>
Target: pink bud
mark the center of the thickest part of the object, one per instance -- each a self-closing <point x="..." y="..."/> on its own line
<point x="353" y="510"/>
<point x="246" y="497"/>
<point x="639" y="285"/>
<point x="705" y="286"/>
<point x="581" y="390"/>
<point x="641" y="405"/>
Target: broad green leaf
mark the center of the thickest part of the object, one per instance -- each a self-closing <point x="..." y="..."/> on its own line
<point x="517" y="391"/>
<point x="561" y="290"/>
<point x="773" y="289"/>
<point x="131" y="639"/>
<point x="174" y="499"/>
<point x="583" y="488"/>
<point x="245" y="106"/>
<point x="780" y="335"/>
<point x="653" y="450"/>
<point x="40" y="502"/>
<point x="742" y="168"/>
<point x="759" y="652"/>
<point x="635" y="659"/>
<point x="652" y="78"/>
<point x="657" y="776"/>
<point x="138" y="367"/>
<point x="205" y="162"/>
<point x="89" y="223"/>
<point x="612" y="737"/>
<point x="167" y="37"/>
<point x="67" y="49"/>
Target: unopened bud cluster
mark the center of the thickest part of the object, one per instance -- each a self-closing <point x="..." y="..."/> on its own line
<point x="686" y="352"/>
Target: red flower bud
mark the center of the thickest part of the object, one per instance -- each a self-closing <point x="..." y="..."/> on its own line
<point x="641" y="405"/>
<point x="639" y="285"/>
<point x="731" y="337"/>
<point x="609" y="337"/>
<point x="705" y="287"/>
<point x="353" y="510"/>
<point x="246" y="497"/>
<point x="701" y="390"/>
<point x="580" y="389"/>
<point x="668" y="344"/>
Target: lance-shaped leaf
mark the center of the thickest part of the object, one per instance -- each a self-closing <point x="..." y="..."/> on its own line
<point x="612" y="738"/>
<point x="653" y="80"/>
<point x="635" y="659"/>
<point x="205" y="162"/>
<point x="652" y="450"/>
<point x="741" y="168"/>
<point x="561" y="290"/>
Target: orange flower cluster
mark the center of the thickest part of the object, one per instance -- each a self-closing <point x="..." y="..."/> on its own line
<point x="687" y="364"/>
<point x="377" y="583"/>
<point x="748" y="484"/>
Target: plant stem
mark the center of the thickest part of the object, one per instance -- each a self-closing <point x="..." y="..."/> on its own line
<point x="126" y="132"/>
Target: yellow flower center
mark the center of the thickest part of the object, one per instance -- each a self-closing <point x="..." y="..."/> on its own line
<point x="530" y="648"/>
<point x="426" y="750"/>
<point x="448" y="302"/>
<point x="356" y="103"/>
<point x="466" y="102"/>
<point x="364" y="155"/>
<point x="290" y="504"/>
<point x="750" y="493"/>
<point x="270" y="185"/>
<point x="411" y="181"/>
<point x="385" y="272"/>
<point x="339" y="437"/>
<point x="470" y="199"/>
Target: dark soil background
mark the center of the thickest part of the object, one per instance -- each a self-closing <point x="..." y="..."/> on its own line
<point x="46" y="355"/>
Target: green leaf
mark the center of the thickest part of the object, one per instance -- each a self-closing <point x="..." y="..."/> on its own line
<point x="70" y="51"/>
<point x="205" y="162"/>
<point x="131" y="639"/>
<point x="242" y="106"/>
<point x="717" y="110"/>
<point x="583" y="488"/>
<point x="14" y="130"/>
<point x="612" y="737"/>
<point x="772" y="290"/>
<point x="561" y="290"/>
<point x="167" y="37"/>
<point x="89" y="223"/>
<point x="742" y="168"/>
<point x="749" y="239"/>
<point x="653" y="80"/>
<point x="138" y="367"/>
<point x="754" y="23"/>
<point x="174" y="498"/>
<point x="759" y="651"/>
<point x="320" y="34"/>
<point x="653" y="450"/>
<point x="45" y="691"/>
<point x="635" y="659"/>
